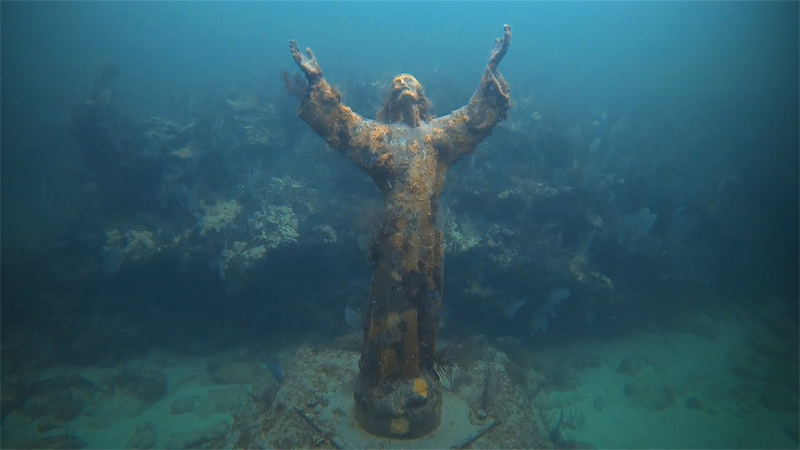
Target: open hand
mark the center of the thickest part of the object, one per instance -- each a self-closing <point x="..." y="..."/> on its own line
<point x="308" y="64"/>
<point x="500" y="48"/>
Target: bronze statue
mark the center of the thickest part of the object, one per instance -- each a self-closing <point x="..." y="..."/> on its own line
<point x="407" y="152"/>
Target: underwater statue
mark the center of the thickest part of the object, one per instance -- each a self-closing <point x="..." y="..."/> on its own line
<point x="407" y="152"/>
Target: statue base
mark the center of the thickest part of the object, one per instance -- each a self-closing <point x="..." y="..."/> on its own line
<point x="402" y="409"/>
<point x="315" y="407"/>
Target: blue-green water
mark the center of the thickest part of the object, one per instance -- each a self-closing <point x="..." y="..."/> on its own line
<point x="626" y="240"/>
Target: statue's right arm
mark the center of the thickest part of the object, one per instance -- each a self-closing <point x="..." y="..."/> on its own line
<point x="466" y="127"/>
<point x="347" y="132"/>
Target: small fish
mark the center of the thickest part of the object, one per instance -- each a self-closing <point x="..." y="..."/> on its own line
<point x="512" y="309"/>
<point x="353" y="319"/>
<point x="274" y="368"/>
<point x="595" y="145"/>
<point x="556" y="295"/>
<point x="112" y="260"/>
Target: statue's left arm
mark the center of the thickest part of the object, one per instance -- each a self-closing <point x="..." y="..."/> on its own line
<point x="466" y="127"/>
<point x="322" y="108"/>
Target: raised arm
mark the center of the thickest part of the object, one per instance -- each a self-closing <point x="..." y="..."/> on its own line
<point x="322" y="108"/>
<point x="466" y="127"/>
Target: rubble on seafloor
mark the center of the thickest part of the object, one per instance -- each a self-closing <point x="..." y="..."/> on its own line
<point x="314" y="408"/>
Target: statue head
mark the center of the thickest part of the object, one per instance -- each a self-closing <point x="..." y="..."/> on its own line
<point x="406" y="102"/>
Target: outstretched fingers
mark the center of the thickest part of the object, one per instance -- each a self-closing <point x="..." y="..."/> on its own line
<point x="296" y="55"/>
<point x="500" y="47"/>
<point x="308" y="64"/>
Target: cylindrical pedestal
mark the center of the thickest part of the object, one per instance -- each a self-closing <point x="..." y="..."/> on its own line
<point x="403" y="409"/>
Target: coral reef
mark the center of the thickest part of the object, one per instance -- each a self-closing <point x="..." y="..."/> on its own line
<point x="223" y="171"/>
<point x="225" y="193"/>
<point x="218" y="217"/>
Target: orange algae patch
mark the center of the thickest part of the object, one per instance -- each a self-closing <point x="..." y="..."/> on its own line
<point x="399" y="426"/>
<point x="385" y="159"/>
<point x="410" y="364"/>
<point x="420" y="387"/>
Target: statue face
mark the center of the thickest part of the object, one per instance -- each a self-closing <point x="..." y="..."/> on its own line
<point x="406" y="88"/>
<point x="406" y="102"/>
